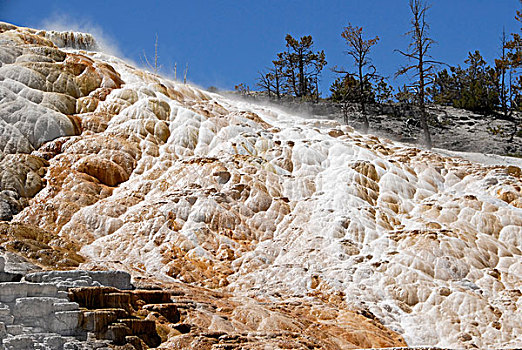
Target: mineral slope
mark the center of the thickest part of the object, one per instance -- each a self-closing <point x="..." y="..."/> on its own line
<point x="303" y="228"/>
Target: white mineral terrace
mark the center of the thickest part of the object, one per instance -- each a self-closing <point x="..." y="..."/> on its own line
<point x="257" y="201"/>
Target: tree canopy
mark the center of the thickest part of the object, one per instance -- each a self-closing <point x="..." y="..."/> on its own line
<point x="296" y="70"/>
<point x="356" y="85"/>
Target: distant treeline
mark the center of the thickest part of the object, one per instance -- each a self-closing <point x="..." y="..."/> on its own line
<point x="477" y="86"/>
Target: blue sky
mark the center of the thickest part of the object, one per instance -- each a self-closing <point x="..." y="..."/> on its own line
<point x="228" y="42"/>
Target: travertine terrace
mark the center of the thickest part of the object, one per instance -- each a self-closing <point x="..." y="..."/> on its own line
<point x="283" y="229"/>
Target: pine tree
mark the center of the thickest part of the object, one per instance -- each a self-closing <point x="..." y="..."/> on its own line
<point x="404" y="95"/>
<point x="475" y="88"/>
<point x="383" y="91"/>
<point x="502" y="69"/>
<point x="478" y="86"/>
<point x="346" y="91"/>
<point x="278" y="79"/>
<point x="445" y="89"/>
<point x="301" y="66"/>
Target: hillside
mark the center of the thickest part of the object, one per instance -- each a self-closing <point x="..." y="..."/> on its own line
<point x="272" y="230"/>
<point x="451" y="128"/>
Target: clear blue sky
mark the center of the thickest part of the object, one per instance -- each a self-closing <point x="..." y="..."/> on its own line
<point x="228" y="42"/>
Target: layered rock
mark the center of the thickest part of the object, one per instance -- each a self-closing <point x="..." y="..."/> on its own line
<point x="79" y="278"/>
<point x="79" y="310"/>
<point x="323" y="232"/>
<point x="39" y="315"/>
<point x="71" y="310"/>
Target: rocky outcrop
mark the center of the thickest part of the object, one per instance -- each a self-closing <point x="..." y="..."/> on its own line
<point x="21" y="177"/>
<point x="38" y="316"/>
<point x="74" y="40"/>
<point x="79" y="278"/>
<point x="38" y="245"/>
<point x="40" y="87"/>
<point x="78" y="310"/>
<point x="120" y="316"/>
<point x="49" y="310"/>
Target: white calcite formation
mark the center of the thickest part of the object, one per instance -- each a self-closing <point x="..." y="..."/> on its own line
<point x="39" y="315"/>
<point x="162" y="179"/>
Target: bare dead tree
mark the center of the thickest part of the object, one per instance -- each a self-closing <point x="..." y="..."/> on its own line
<point x="278" y="77"/>
<point x="359" y="49"/>
<point x="423" y="66"/>
<point x="265" y="82"/>
<point x="154" y="66"/>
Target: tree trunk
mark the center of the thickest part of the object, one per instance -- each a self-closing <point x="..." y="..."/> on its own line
<point x="503" y="97"/>
<point x="277" y="91"/>
<point x="424" y="124"/>
<point x="316" y="90"/>
<point x="302" y="83"/>
<point x="366" y="123"/>
<point x="345" y="112"/>
<point x="296" y="92"/>
<point x="515" y="129"/>
<point x="424" y="117"/>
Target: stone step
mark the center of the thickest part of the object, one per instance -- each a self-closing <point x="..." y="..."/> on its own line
<point x="139" y="326"/>
<point x="32" y="330"/>
<point x="117" y="332"/>
<point x="118" y="300"/>
<point x="144" y="329"/>
<point x="19" y="342"/>
<point x="65" y="322"/>
<point x="37" y="340"/>
<point x="65" y="306"/>
<point x="7" y="319"/>
<point x="153" y="296"/>
<point x="14" y="329"/>
<point x="78" y="278"/>
<point x="62" y="294"/>
<point x="10" y="291"/>
<point x="10" y="277"/>
<point x="98" y="320"/>
<point x="35" y="306"/>
<point x="53" y="341"/>
<point x="169" y="311"/>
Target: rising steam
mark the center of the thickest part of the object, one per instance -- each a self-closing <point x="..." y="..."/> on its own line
<point x="62" y="22"/>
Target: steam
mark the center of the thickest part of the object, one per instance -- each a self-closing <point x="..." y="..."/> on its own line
<point x="294" y="108"/>
<point x="64" y="23"/>
<point x="105" y="43"/>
